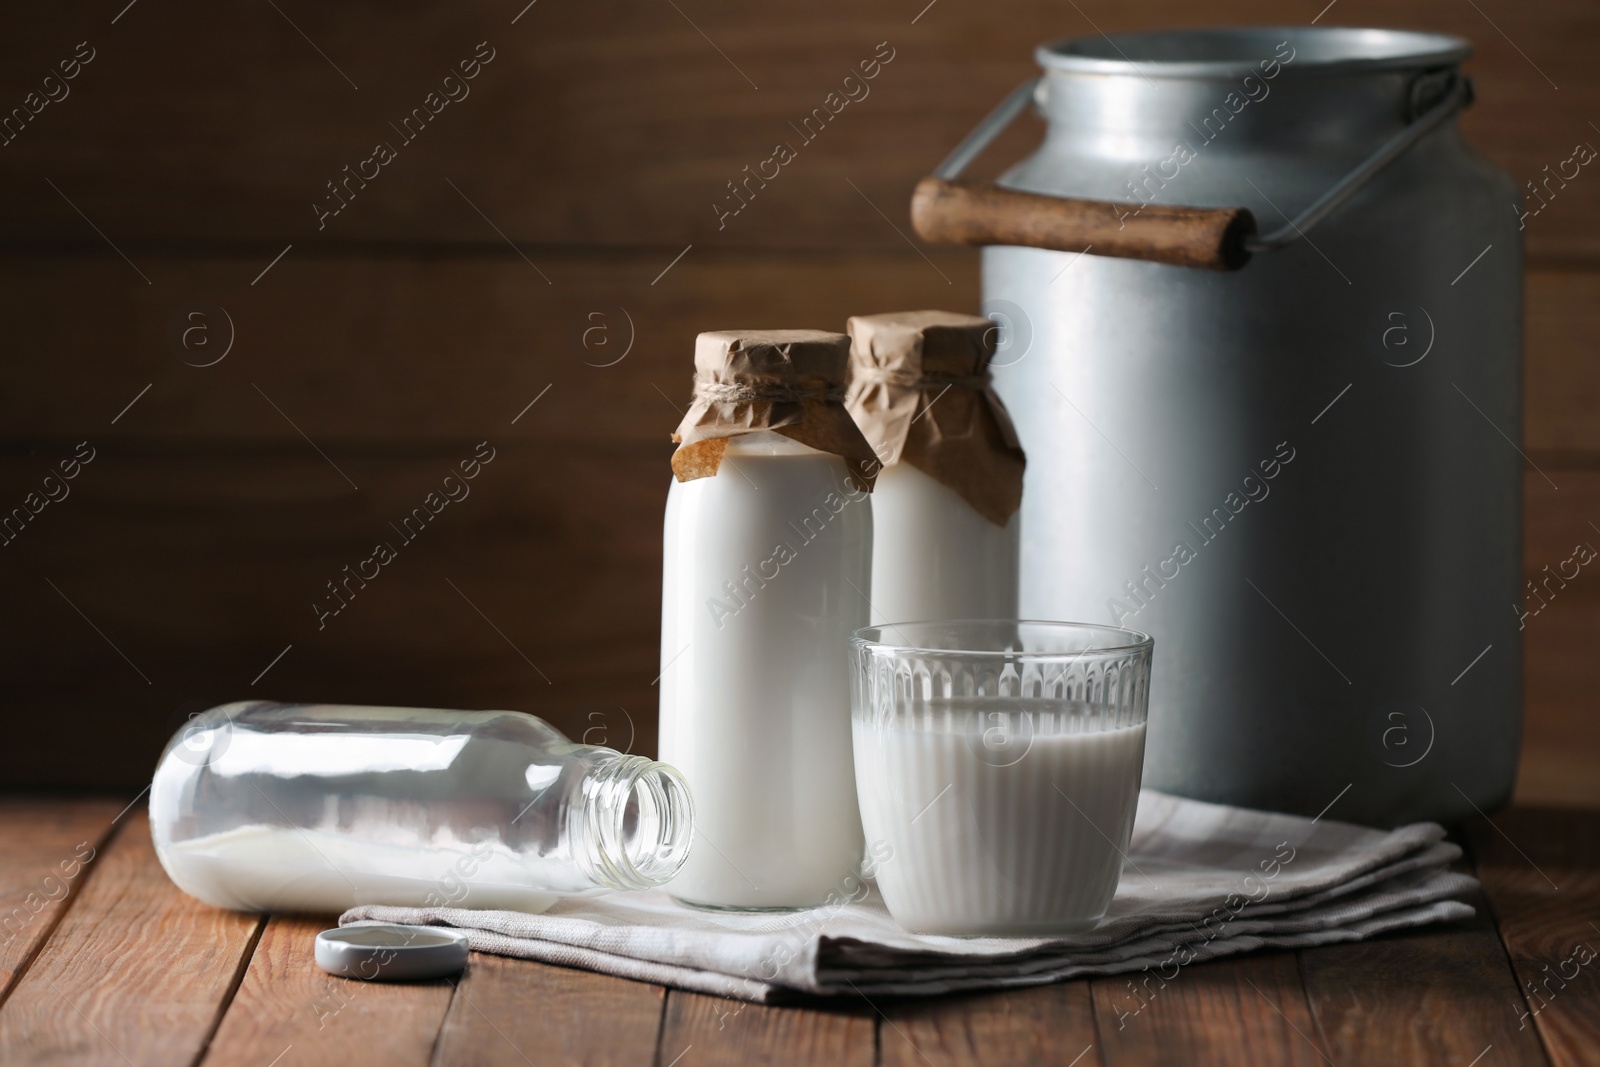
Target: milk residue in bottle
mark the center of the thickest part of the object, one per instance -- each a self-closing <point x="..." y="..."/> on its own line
<point x="260" y="806"/>
<point x="945" y="510"/>
<point x="768" y="545"/>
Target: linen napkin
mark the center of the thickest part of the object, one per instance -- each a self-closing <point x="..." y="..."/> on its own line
<point x="1201" y="881"/>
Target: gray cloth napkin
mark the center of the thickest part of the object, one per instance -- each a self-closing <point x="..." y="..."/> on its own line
<point x="1201" y="881"/>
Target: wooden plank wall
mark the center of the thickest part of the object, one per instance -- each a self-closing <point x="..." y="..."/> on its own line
<point x="549" y="236"/>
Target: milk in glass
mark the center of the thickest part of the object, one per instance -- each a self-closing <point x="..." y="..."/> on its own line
<point x="998" y="765"/>
<point x="1001" y="839"/>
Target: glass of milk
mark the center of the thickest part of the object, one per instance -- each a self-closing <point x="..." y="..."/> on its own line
<point x="997" y="765"/>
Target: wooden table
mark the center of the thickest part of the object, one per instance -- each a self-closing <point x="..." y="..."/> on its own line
<point x="104" y="962"/>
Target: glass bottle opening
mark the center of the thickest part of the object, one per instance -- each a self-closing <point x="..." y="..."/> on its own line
<point x="634" y="823"/>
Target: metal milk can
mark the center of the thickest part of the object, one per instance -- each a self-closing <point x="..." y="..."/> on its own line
<point x="1261" y="309"/>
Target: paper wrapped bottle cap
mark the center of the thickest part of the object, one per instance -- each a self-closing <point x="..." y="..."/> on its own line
<point x="787" y="381"/>
<point x="920" y="391"/>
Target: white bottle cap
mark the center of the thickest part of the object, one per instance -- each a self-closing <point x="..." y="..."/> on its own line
<point x="391" y="953"/>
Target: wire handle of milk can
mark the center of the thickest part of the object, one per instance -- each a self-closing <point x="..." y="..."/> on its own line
<point x="947" y="211"/>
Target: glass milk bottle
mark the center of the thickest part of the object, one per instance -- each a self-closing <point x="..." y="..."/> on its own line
<point x="316" y="807"/>
<point x="768" y="544"/>
<point x="945" y="509"/>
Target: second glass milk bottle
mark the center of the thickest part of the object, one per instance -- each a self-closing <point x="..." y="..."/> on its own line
<point x="945" y="509"/>
<point x="766" y="571"/>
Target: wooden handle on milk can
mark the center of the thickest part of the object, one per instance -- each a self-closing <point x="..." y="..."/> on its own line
<point x="981" y="213"/>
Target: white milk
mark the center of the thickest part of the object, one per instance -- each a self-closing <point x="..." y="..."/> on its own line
<point x="933" y="555"/>
<point x="766" y="573"/>
<point x="1004" y="840"/>
<point x="262" y="868"/>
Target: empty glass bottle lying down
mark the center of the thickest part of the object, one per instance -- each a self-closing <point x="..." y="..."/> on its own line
<point x="260" y="806"/>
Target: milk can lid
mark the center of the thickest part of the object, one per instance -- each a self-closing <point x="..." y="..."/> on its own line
<point x="386" y="953"/>
<point x="1233" y="51"/>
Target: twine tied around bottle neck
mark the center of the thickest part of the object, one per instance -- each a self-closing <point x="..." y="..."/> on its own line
<point x="766" y="392"/>
<point x="904" y="379"/>
<point x="787" y="381"/>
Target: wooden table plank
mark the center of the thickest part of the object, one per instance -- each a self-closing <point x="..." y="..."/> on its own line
<point x="49" y="848"/>
<point x="289" y="1007"/>
<point x="1250" y="1010"/>
<point x="1540" y="869"/>
<point x="517" y="1013"/>
<point x="1434" y="997"/>
<point x="135" y="972"/>
<point x="705" y="1031"/>
<point x="1048" y="1026"/>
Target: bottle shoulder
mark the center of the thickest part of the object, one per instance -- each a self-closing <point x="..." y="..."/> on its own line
<point x="770" y="443"/>
<point x="765" y="470"/>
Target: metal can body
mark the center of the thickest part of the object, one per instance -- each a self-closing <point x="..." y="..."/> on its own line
<point x="1300" y="477"/>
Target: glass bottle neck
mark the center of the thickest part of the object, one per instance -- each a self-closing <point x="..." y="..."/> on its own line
<point x="632" y="823"/>
<point x="769" y="443"/>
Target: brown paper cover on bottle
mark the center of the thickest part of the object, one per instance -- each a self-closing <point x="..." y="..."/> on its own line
<point x="787" y="381"/>
<point x="920" y="391"/>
